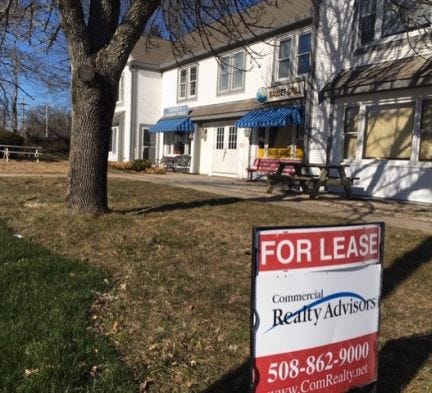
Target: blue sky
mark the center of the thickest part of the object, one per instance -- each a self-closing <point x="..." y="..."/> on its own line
<point x="38" y="94"/>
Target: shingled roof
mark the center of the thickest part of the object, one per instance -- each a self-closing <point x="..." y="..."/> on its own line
<point x="389" y="75"/>
<point x="274" y="18"/>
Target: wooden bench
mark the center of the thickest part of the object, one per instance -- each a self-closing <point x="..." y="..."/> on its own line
<point x="29" y="151"/>
<point x="265" y="166"/>
<point x="179" y="163"/>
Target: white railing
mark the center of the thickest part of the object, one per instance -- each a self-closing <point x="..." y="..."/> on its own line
<point x="29" y="151"/>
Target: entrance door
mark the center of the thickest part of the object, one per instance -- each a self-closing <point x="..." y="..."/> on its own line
<point x="226" y="160"/>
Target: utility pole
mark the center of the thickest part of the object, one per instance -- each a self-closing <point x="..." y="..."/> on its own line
<point x="22" y="115"/>
<point x="46" y="121"/>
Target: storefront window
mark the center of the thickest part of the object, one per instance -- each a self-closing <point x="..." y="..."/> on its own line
<point x="350" y="132"/>
<point x="389" y="131"/>
<point x="426" y="131"/>
<point x="177" y="143"/>
<point x="277" y="142"/>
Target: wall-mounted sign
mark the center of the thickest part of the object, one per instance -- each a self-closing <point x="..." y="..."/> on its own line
<point x="281" y="92"/>
<point x="315" y="301"/>
<point x="176" y="111"/>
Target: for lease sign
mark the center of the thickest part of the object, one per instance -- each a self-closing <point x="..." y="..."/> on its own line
<point x="316" y="308"/>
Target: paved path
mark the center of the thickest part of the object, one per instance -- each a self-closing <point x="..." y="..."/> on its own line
<point x="400" y="215"/>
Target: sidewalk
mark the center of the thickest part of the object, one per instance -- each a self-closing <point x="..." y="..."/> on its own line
<point x="396" y="214"/>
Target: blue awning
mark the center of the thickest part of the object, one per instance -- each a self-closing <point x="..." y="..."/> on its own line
<point x="272" y="117"/>
<point x="182" y="124"/>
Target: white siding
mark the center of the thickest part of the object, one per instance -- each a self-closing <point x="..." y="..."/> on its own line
<point x="256" y="77"/>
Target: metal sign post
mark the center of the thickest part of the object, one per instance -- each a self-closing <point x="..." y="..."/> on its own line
<point x="315" y="307"/>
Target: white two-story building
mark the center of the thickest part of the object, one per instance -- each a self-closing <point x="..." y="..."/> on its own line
<point x="373" y="103"/>
<point x="207" y="107"/>
<point x="343" y="83"/>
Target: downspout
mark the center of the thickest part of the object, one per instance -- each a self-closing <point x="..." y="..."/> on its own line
<point x="311" y="81"/>
<point x="133" y="111"/>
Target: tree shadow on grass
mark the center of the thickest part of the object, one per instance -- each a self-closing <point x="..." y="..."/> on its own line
<point x="405" y="266"/>
<point x="399" y="360"/>
<point x="398" y="363"/>
<point x="180" y="206"/>
<point x="235" y="381"/>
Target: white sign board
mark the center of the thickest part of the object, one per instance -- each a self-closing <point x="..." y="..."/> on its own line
<point x="315" y="300"/>
<point x="286" y="91"/>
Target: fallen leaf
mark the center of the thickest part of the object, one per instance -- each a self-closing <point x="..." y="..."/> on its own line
<point x="144" y="386"/>
<point x="30" y="371"/>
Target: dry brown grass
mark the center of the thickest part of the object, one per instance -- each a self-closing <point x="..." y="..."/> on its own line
<point x="32" y="167"/>
<point x="180" y="260"/>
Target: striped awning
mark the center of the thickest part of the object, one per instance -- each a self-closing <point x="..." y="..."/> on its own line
<point x="182" y="124"/>
<point x="272" y="117"/>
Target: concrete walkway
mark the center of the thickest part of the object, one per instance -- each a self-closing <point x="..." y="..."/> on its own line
<point x="400" y="215"/>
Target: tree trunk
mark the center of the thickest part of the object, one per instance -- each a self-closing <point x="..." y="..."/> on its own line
<point x="14" y="107"/>
<point x="93" y="108"/>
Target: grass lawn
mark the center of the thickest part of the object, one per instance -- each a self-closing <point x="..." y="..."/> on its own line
<point x="47" y="343"/>
<point x="179" y="265"/>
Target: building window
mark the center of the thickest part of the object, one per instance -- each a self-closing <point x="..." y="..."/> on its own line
<point x="220" y="133"/>
<point x="113" y="140"/>
<point x="231" y="73"/>
<point x="232" y="138"/>
<point x="389" y="131"/>
<point x="426" y="131"/>
<point x="120" y="90"/>
<point x="304" y="54"/>
<point x="284" y="59"/>
<point x="293" y="56"/>
<point x="403" y="15"/>
<point x="383" y="18"/>
<point x="350" y="132"/>
<point x="187" y="83"/>
<point x="367" y="21"/>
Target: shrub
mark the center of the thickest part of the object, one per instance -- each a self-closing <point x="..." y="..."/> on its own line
<point x="10" y="138"/>
<point x="156" y="170"/>
<point x="121" y="166"/>
<point x="141" y="165"/>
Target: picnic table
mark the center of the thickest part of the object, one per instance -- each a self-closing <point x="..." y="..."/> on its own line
<point x="311" y="177"/>
<point x="265" y="166"/>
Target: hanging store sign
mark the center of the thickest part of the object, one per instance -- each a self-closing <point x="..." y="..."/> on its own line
<point x="282" y="92"/>
<point x="176" y="111"/>
<point x="315" y="301"/>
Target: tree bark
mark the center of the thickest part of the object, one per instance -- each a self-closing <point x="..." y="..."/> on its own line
<point x="93" y="109"/>
<point x="99" y="49"/>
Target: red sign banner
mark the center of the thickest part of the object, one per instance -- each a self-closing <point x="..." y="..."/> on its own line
<point x="282" y="250"/>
